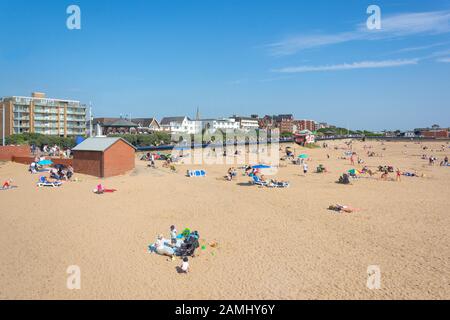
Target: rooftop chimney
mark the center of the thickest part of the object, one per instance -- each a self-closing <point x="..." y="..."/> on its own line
<point x="38" y="95"/>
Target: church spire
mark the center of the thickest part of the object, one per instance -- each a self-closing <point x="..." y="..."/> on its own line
<point x="197" y="116"/>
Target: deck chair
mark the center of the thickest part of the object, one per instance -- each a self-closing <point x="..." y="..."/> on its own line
<point x="43" y="182"/>
<point x="279" y="185"/>
<point x="257" y="181"/>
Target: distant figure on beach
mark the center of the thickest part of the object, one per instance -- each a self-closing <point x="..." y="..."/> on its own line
<point x="352" y="158"/>
<point x="173" y="234"/>
<point x="399" y="174"/>
<point x="152" y="160"/>
<point x="305" y="168"/>
<point x="7" y="184"/>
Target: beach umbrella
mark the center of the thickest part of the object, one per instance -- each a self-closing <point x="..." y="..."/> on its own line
<point x="354" y="172"/>
<point x="303" y="156"/>
<point x="45" y="162"/>
<point x="261" y="166"/>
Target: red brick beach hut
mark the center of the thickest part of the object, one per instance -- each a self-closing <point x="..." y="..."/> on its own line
<point x="103" y="157"/>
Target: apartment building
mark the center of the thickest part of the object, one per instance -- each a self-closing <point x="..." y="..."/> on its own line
<point x="310" y="125"/>
<point x="246" y="123"/>
<point x="38" y="114"/>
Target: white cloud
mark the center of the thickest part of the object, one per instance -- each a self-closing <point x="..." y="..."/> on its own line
<point x="349" y="66"/>
<point x="394" y="26"/>
<point x="444" y="60"/>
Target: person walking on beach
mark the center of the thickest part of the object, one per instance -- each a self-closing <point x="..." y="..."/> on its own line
<point x="152" y="160"/>
<point x="305" y="168"/>
<point x="399" y="174"/>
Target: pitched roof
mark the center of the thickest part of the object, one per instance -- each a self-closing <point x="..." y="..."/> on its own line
<point x="114" y="122"/>
<point x="169" y="120"/>
<point x="98" y="144"/>
<point x="145" y="122"/>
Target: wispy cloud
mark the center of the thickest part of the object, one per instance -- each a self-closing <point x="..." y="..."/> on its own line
<point x="349" y="66"/>
<point x="444" y="60"/>
<point x="420" y="48"/>
<point x="393" y="26"/>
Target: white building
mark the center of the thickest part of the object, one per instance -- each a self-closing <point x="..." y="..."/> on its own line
<point x="246" y="123"/>
<point x="225" y="124"/>
<point x="181" y="125"/>
<point x="409" y="134"/>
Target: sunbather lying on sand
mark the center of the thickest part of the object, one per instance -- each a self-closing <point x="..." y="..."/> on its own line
<point x="341" y="208"/>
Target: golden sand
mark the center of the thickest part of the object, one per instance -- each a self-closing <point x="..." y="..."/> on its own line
<point x="271" y="243"/>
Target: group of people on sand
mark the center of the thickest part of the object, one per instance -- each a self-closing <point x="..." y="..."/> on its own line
<point x="177" y="247"/>
<point x="432" y="160"/>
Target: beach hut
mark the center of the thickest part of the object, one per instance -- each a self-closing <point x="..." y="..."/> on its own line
<point x="103" y="157"/>
<point x="305" y="137"/>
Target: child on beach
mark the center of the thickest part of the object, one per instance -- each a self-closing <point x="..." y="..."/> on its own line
<point x="173" y="234"/>
<point x="185" y="265"/>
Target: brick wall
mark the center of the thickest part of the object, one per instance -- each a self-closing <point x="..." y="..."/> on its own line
<point x="28" y="160"/>
<point x="437" y="134"/>
<point x="8" y="152"/>
<point x="118" y="159"/>
<point x="88" y="162"/>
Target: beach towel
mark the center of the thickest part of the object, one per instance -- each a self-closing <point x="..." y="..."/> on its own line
<point x="8" y="188"/>
<point x="196" y="173"/>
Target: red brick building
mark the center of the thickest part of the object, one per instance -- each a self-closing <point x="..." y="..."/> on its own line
<point x="103" y="157"/>
<point x="435" y="133"/>
<point x="310" y="125"/>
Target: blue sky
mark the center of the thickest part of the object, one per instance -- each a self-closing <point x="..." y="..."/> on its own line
<point x="315" y="59"/>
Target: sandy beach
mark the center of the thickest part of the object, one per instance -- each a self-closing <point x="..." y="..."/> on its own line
<point x="272" y="243"/>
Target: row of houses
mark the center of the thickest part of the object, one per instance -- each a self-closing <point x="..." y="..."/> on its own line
<point x="186" y="125"/>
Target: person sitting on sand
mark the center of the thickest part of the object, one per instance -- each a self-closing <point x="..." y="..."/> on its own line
<point x="100" y="189"/>
<point x="70" y="172"/>
<point x="185" y="265"/>
<point x="384" y="175"/>
<point x="344" y="179"/>
<point x="7" y="184"/>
